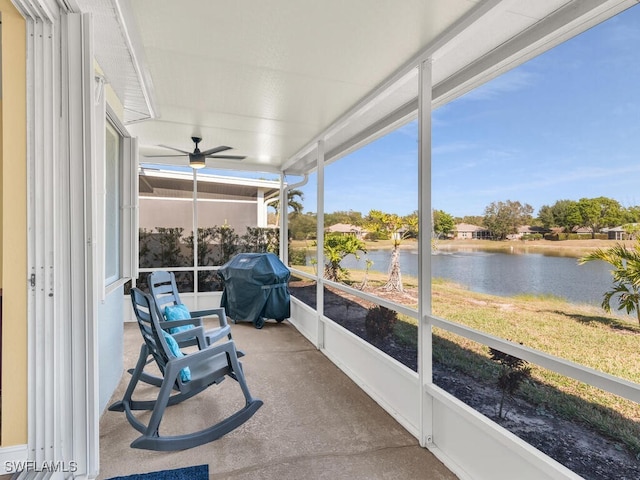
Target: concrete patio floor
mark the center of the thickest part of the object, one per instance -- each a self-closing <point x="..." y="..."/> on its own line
<point x="315" y="422"/>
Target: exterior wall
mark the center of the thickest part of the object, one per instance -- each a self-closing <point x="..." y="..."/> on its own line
<point x="153" y="213"/>
<point x="237" y="215"/>
<point x="110" y="346"/>
<point x="13" y="204"/>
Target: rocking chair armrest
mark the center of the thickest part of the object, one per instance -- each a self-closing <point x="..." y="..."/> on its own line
<point x="217" y="333"/>
<point x="193" y="358"/>
<point x="219" y="312"/>
<point x="197" y="332"/>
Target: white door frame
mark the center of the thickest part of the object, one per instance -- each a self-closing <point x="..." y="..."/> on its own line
<point x="63" y="410"/>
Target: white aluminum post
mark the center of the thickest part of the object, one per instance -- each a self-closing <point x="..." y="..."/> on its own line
<point x="320" y="247"/>
<point x="261" y="209"/>
<point x="283" y="222"/>
<point x="100" y="192"/>
<point x="129" y="179"/>
<point x="84" y="407"/>
<point x="195" y="238"/>
<point x="424" y="251"/>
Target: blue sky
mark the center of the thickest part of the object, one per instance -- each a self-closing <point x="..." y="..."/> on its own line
<point x="565" y="125"/>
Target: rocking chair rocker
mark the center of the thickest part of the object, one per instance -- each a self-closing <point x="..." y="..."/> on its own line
<point x="187" y="374"/>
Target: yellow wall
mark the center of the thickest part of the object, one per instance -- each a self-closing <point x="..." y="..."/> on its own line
<point x="13" y="207"/>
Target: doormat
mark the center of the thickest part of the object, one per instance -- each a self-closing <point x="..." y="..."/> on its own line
<point x="199" y="472"/>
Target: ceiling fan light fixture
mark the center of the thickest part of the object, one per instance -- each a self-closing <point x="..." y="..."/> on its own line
<point x="197" y="158"/>
<point x="197" y="162"/>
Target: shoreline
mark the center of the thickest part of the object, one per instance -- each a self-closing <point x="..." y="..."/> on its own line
<point x="565" y="248"/>
<point x="560" y="248"/>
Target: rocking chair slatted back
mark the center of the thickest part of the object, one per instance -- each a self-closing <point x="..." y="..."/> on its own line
<point x="143" y="308"/>
<point x="163" y="288"/>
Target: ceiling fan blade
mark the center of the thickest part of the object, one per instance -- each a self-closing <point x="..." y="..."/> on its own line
<point x="220" y="148"/>
<point x="227" y="157"/>
<point x="167" y="156"/>
<point x="176" y="149"/>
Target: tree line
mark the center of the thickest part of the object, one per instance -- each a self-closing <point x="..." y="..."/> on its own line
<point x="504" y="218"/>
<point x="501" y="218"/>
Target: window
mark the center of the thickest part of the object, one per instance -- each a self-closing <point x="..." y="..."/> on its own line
<point x="228" y="214"/>
<point x="530" y="172"/>
<point x="119" y="175"/>
<point x="113" y="216"/>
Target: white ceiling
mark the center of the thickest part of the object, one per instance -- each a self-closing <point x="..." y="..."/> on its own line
<point x="271" y="77"/>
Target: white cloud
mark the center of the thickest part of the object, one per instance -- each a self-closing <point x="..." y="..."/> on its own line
<point x="512" y="81"/>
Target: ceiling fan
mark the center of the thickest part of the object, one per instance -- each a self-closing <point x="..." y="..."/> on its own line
<point x="197" y="158"/>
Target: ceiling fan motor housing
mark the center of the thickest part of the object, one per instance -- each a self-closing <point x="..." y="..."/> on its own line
<point x="197" y="158"/>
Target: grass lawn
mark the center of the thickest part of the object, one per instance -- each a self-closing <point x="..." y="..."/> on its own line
<point x="582" y="334"/>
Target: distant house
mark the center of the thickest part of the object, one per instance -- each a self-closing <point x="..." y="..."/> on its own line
<point x="629" y="231"/>
<point x="346" y="228"/>
<point x="527" y="230"/>
<point x="466" y="231"/>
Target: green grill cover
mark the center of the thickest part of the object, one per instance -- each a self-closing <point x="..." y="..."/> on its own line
<point x="255" y="286"/>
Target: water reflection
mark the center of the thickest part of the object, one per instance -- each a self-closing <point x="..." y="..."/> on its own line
<point x="504" y="274"/>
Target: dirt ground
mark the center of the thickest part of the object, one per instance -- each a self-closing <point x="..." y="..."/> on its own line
<point x="575" y="446"/>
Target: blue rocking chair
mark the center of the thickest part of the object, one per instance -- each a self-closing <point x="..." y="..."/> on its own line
<point x="183" y="374"/>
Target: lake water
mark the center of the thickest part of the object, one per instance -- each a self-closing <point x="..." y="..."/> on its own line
<point x="504" y="274"/>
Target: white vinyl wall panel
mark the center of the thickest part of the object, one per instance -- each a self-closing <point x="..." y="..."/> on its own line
<point x="305" y="319"/>
<point x="474" y="447"/>
<point x="392" y="385"/>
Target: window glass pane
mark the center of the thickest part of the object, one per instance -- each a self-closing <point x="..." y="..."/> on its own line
<point x="531" y="172"/>
<point x="393" y="333"/>
<point x="303" y="222"/>
<point x="594" y="433"/>
<point x="112" y="204"/>
<point x="166" y="219"/>
<point x="371" y="198"/>
<point x="209" y="281"/>
<point x="303" y="289"/>
<point x="371" y="203"/>
<point x="232" y="218"/>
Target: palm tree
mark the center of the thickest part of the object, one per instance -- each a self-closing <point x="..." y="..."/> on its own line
<point x="626" y="276"/>
<point x="336" y="247"/>
<point x="294" y="204"/>
<point x="396" y="228"/>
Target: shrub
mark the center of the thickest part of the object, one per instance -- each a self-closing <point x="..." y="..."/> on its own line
<point x="513" y="371"/>
<point x="379" y="322"/>
<point x="532" y="236"/>
<point x="297" y="256"/>
<point x="260" y="240"/>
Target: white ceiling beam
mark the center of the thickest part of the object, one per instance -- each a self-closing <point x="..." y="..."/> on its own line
<point x="375" y="130"/>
